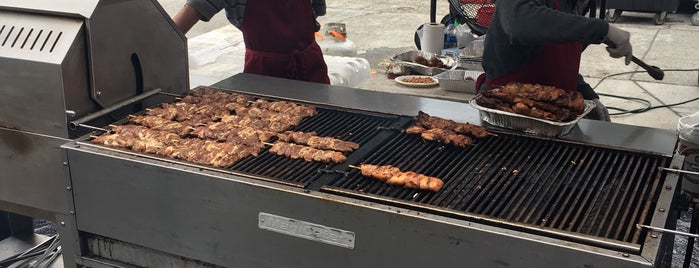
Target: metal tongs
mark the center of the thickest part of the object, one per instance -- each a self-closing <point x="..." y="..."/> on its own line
<point x="653" y="71"/>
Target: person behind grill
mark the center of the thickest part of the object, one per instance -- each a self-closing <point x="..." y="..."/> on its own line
<point x="279" y="36"/>
<point x="541" y="42"/>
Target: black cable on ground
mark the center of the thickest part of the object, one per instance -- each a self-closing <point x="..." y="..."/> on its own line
<point x="647" y="105"/>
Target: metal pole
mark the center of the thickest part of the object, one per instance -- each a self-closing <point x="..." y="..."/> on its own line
<point x="74" y="124"/>
<point x="433" y="11"/>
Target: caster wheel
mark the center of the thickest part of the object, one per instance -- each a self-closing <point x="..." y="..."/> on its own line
<point x="659" y="18"/>
<point x="695" y="19"/>
<point x="612" y="16"/>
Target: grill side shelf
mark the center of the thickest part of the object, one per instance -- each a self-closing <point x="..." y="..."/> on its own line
<point x="356" y="157"/>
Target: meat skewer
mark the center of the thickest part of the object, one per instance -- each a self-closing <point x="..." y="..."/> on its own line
<point x="427" y="121"/>
<point x="441" y="135"/>
<point x="296" y="151"/>
<point x="142" y="139"/>
<point x="393" y="175"/>
<point x="310" y="139"/>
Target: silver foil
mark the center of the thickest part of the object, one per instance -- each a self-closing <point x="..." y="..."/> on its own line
<point x="527" y="124"/>
<point x="406" y="61"/>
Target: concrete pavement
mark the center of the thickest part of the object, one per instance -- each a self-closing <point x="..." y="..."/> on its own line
<point x="381" y="31"/>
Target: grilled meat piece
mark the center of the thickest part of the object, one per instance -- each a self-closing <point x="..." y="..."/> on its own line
<point x="142" y="139"/>
<point x="427" y="121"/>
<point x="440" y="135"/>
<point x="286" y="107"/>
<point x="159" y="123"/>
<point x="296" y="151"/>
<point x="538" y="101"/>
<point x="409" y="179"/>
<point x="324" y="143"/>
<point x="184" y="111"/>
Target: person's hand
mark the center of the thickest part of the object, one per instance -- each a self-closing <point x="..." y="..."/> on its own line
<point x="618" y="44"/>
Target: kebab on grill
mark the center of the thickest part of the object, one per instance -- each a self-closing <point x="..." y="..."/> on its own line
<point x="191" y="112"/>
<point x="393" y="175"/>
<point x="440" y="135"/>
<point x="297" y="151"/>
<point x="159" y="123"/>
<point x="311" y="139"/>
<point x="544" y="102"/>
<point x="429" y="122"/>
<point x="231" y="132"/>
<point x="286" y="107"/>
<point x="142" y="139"/>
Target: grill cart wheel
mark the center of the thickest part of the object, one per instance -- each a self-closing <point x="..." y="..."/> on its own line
<point x="695" y="19"/>
<point x="659" y="18"/>
<point x="612" y="16"/>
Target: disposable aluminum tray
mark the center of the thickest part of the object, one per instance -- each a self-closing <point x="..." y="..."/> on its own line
<point x="527" y="124"/>
<point x="406" y="60"/>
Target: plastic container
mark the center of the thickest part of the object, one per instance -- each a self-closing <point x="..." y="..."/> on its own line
<point x="458" y="80"/>
<point x="688" y="130"/>
<point x="347" y="71"/>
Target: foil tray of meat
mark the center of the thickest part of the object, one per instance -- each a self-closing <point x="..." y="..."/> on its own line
<point x="528" y="124"/>
<point x="425" y="63"/>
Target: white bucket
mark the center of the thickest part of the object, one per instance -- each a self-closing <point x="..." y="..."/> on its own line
<point x="688" y="129"/>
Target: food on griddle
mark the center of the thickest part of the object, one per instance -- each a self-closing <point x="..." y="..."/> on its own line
<point x="201" y="129"/>
<point x="311" y="139"/>
<point x="159" y="123"/>
<point x="544" y="102"/>
<point x="440" y="135"/>
<point x="209" y="95"/>
<point x="286" y="107"/>
<point x="142" y="139"/>
<point x="296" y="151"/>
<point x="231" y="132"/>
<point x="427" y="121"/>
<point x="193" y="113"/>
<point x="409" y="179"/>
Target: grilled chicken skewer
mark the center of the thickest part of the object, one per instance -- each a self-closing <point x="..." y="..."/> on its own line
<point x="441" y="135"/>
<point x="428" y="122"/>
<point x="318" y="142"/>
<point x="393" y="175"/>
<point x="296" y="151"/>
<point x="142" y="139"/>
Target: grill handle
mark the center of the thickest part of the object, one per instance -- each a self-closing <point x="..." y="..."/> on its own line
<point x="678" y="170"/>
<point x="73" y="125"/>
<point x="663" y="230"/>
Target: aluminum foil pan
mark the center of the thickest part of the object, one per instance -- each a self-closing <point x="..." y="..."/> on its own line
<point x="527" y="124"/>
<point x="405" y="61"/>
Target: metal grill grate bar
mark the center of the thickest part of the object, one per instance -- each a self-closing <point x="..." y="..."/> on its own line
<point x="559" y="188"/>
<point x="344" y="125"/>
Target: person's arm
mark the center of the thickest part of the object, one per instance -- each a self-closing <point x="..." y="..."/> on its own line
<point x="186" y="18"/>
<point x="529" y="22"/>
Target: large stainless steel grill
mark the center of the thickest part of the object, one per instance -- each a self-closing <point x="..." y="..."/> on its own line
<point x="505" y="200"/>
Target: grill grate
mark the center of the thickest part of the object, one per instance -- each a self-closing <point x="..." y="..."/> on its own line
<point x="527" y="182"/>
<point x="355" y="127"/>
